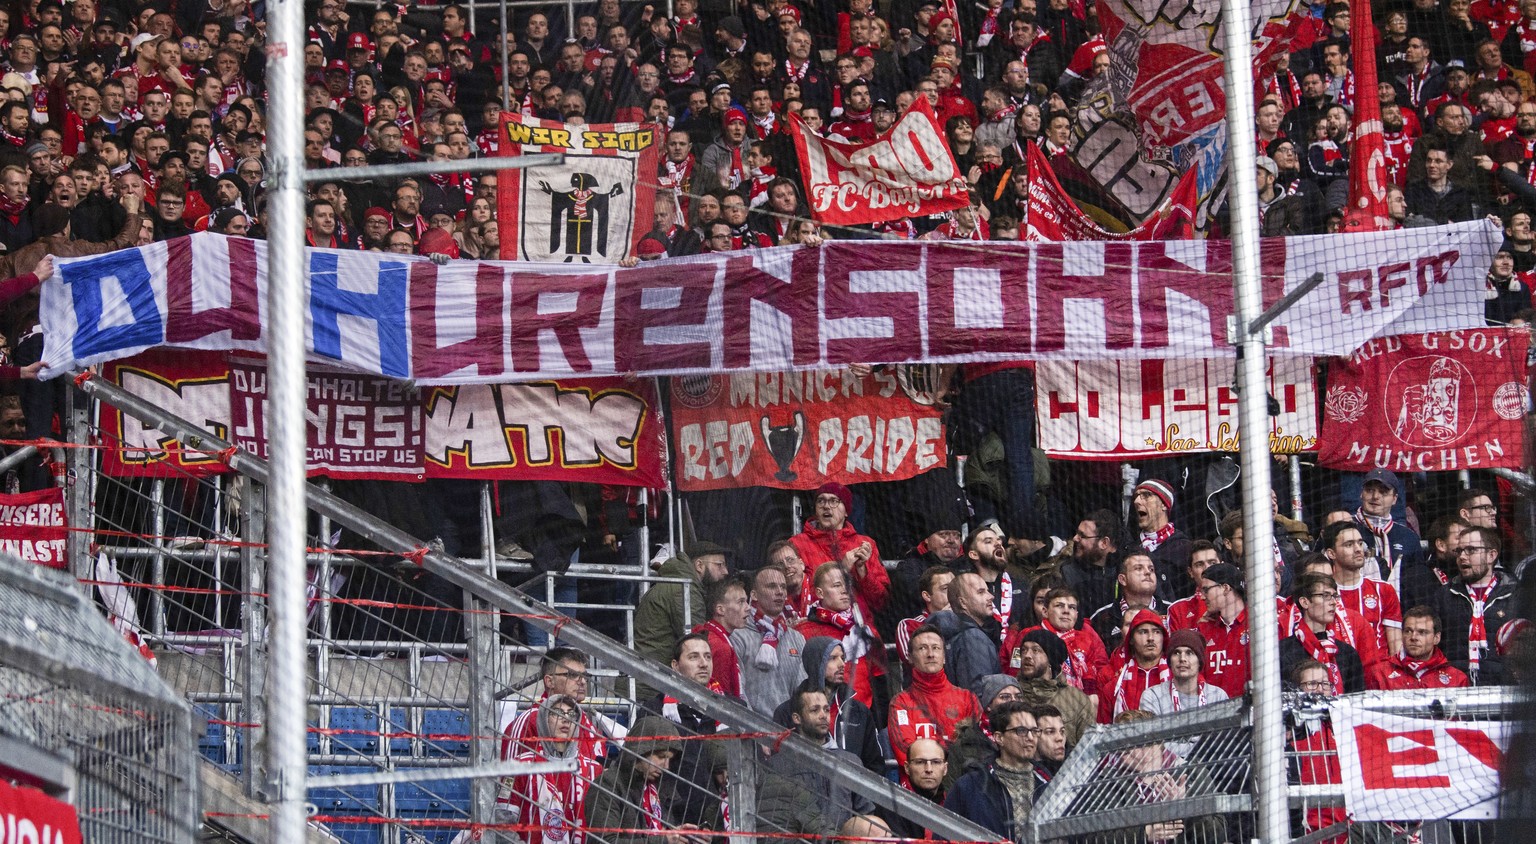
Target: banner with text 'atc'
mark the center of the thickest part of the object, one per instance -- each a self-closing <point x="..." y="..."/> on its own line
<point x="1124" y="410"/>
<point x="33" y="528"/>
<point x="1400" y="768"/>
<point x="799" y="430"/>
<point x="769" y="310"/>
<point x="1443" y="401"/>
<point x="600" y="430"/>
<point x="907" y="171"/>
<point x="590" y="210"/>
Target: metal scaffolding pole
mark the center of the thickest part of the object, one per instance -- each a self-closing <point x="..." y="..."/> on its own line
<point x="287" y="676"/>
<point x="1253" y="427"/>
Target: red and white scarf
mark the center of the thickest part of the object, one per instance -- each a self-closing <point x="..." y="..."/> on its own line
<point x="771" y="628"/>
<point x="1151" y="541"/>
<point x="651" y="804"/>
<point x="1175" y="696"/>
<point x="1325" y="651"/>
<point x="793" y="75"/>
<point x="1128" y="672"/>
<point x="1004" y="607"/>
<point x="1477" y="631"/>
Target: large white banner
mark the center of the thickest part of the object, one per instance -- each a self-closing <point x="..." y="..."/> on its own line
<point x="1123" y="410"/>
<point x="1397" y="768"/>
<point x="789" y="308"/>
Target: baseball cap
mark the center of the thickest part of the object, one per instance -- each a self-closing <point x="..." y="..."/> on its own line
<point x="359" y="41"/>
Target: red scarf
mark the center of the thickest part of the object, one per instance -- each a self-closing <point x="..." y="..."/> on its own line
<point x="1150" y="541"/>
<point x="1325" y="651"/>
<point x="651" y="804"/>
<point x="843" y="621"/>
<point x="1127" y="672"/>
<point x="738" y="170"/>
<point x="1174" y="695"/>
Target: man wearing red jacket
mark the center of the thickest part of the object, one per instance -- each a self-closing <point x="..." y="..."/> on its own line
<point x="833" y="613"/>
<point x="1421" y="665"/>
<point x="932" y="707"/>
<point x="1225" y="628"/>
<point x="1138" y="664"/>
<point x="829" y="538"/>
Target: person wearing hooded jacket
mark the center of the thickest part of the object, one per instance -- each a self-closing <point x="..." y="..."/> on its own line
<point x="627" y="794"/>
<point x="969" y="653"/>
<point x="853" y="724"/>
<point x="1139" y="663"/>
<point x="551" y="801"/>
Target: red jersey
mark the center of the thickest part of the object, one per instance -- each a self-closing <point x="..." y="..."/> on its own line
<point x="1121" y="686"/>
<point x="931" y="708"/>
<point x="861" y="672"/>
<point x="552" y="803"/>
<point x="1398" y="147"/>
<point x="816" y="546"/>
<point x="1375" y="602"/>
<point x="1226" y="652"/>
<point x="1186" y="612"/>
<point x="1433" y="673"/>
<point x="1086" y="657"/>
<point x="727" y="668"/>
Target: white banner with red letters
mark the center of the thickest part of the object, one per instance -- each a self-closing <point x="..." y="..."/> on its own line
<point x="788" y="308"/>
<point x="907" y="171"/>
<point x="1398" y="768"/>
<point x="1123" y="410"/>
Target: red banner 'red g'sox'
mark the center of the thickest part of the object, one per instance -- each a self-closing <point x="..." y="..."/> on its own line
<point x="799" y="430"/>
<point x="906" y="172"/>
<point x="594" y="208"/>
<point x="1444" y="401"/>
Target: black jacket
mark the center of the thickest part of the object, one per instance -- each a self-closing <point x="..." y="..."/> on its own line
<point x="1348" y="660"/>
<point x="1453" y="603"/>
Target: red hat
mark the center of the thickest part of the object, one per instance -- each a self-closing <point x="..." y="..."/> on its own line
<point x="792" y="12"/>
<point x="837" y="489"/>
<point x="359" y="41"/>
<point x="863" y="52"/>
<point x="933" y="22"/>
<point x="335" y="64"/>
<point x="376" y="211"/>
<point x="437" y="242"/>
<point x="734" y="115"/>
<point x="1145" y="617"/>
<point x="651" y="245"/>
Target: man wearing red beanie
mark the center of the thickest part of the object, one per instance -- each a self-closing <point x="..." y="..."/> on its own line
<point x="828" y="537"/>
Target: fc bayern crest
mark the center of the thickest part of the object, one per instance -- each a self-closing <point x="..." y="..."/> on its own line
<point x="1445" y="679"/>
<point x="1370" y="602"/>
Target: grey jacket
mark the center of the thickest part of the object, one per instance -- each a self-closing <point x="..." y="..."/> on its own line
<point x="765" y="688"/>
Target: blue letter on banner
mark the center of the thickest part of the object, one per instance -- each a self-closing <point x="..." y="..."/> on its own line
<point x="386" y="308"/>
<point x="85" y="280"/>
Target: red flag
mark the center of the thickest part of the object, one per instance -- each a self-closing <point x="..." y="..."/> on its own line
<point x="1367" y="209"/>
<point x="1052" y="215"/>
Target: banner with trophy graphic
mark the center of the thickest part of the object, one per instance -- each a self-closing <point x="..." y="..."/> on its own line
<point x="1443" y="401"/>
<point x="799" y="430"/>
<point x="593" y="208"/>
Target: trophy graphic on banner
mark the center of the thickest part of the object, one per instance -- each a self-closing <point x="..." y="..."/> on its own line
<point x="784" y="443"/>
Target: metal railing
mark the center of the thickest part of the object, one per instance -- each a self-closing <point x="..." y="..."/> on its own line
<point x="400" y="633"/>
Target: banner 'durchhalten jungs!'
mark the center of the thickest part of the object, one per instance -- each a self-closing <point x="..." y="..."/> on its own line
<point x="799" y="430"/>
<point x="603" y="430"/>
<point x="1399" y="768"/>
<point x="1428" y="402"/>
<point x="590" y="210"/>
<point x="33" y="527"/>
<point x="765" y="310"/>
<point x="907" y="171"/>
<point x="1123" y="410"/>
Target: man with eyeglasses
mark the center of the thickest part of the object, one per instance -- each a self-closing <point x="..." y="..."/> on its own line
<point x="563" y="673"/>
<point x="1475" y="605"/>
<point x="1421" y="664"/>
<point x="923" y="775"/>
<point x="1000" y="796"/>
<point x="1316" y="598"/>
<point x="1225" y="627"/>
<point x="1089" y="573"/>
<point x="1476" y="508"/>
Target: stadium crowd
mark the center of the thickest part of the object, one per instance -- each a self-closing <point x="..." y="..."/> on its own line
<point x="979" y="662"/>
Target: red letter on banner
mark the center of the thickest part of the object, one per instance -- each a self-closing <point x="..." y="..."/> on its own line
<point x="993" y="316"/>
<point x="1111" y="286"/>
<point x="1355" y="287"/>
<point x="1378" y="762"/>
<point x="688" y="287"/>
<point x="486" y="299"/>
<point x="898" y="308"/>
<point x="243" y="316"/>
<point x="1477" y="743"/>
<point x="1161" y="273"/>
<point x="795" y="299"/>
<point x="570" y="302"/>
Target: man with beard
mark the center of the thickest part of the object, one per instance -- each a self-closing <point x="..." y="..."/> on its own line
<point x="987" y="556"/>
<point x="1088" y="573"/>
<point x="1521" y="145"/>
<point x="1168" y="546"/>
<point x="1367" y="598"/>
<point x="768" y="647"/>
<point x="1133" y="669"/>
<point x="853" y="724"/>
<point x="1138" y="591"/>
<point x="659" y="620"/>
<point x="923" y="775"/>
<point x="971" y="652"/>
<point x="1475" y="605"/>
<point x="1420" y="583"/>
<point x="811" y="718"/>
<point x="1314" y="104"/>
<point x="857" y="123"/>
<point x="1036" y="663"/>
<point x="1398" y="143"/>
